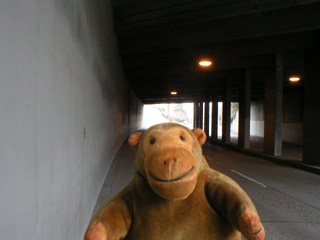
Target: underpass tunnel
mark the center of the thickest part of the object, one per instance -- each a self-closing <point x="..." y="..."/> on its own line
<point x="71" y="94"/>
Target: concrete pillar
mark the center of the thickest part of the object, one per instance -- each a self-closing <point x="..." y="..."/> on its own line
<point x="311" y="119"/>
<point x="244" y="110"/>
<point x="214" y="126"/>
<point x="206" y="118"/>
<point x="195" y="114"/>
<point x="226" y="112"/>
<point x="273" y="110"/>
<point x="200" y="116"/>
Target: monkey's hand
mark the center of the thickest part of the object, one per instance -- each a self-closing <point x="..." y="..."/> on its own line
<point x="96" y="232"/>
<point x="251" y="226"/>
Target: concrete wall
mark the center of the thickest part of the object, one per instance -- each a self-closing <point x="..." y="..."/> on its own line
<point x="63" y="114"/>
<point x="292" y="126"/>
<point x="292" y="131"/>
<point x="135" y="106"/>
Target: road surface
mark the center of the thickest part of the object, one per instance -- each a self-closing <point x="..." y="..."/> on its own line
<point x="287" y="199"/>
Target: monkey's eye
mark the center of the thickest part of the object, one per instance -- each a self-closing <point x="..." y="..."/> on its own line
<point x="182" y="138"/>
<point x="152" y="141"/>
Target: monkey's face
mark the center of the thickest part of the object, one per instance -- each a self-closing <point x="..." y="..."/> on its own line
<point x="168" y="160"/>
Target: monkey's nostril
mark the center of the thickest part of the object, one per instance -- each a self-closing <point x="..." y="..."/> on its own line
<point x="169" y="162"/>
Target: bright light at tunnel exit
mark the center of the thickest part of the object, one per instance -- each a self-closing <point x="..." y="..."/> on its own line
<point x="181" y="113"/>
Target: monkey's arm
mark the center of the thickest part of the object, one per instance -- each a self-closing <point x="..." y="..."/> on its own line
<point x="112" y="222"/>
<point x="229" y="200"/>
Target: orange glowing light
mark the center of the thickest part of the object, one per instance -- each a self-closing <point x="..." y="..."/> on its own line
<point x="294" y="79"/>
<point x="205" y="63"/>
<point x="174" y="93"/>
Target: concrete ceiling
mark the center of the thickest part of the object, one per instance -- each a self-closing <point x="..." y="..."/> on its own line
<point x="161" y="43"/>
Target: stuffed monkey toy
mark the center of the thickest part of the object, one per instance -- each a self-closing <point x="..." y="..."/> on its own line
<point x="175" y="195"/>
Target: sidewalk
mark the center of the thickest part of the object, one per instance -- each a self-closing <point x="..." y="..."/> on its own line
<point x="119" y="176"/>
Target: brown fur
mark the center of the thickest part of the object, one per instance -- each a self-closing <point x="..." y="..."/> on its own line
<point x="175" y="195"/>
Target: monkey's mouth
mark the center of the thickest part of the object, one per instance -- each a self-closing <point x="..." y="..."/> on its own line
<point x="171" y="180"/>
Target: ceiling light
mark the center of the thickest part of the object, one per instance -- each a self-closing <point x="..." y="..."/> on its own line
<point x="205" y="63"/>
<point x="174" y="93"/>
<point x="294" y="79"/>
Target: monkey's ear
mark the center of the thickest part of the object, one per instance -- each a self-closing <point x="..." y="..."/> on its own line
<point x="134" y="139"/>
<point x="200" y="135"/>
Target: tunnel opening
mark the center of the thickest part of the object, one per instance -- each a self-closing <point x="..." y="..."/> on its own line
<point x="181" y="113"/>
<point x="234" y="122"/>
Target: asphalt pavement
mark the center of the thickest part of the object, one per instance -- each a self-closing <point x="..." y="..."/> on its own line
<point x="287" y="199"/>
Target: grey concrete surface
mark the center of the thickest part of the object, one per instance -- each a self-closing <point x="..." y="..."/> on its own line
<point x="120" y="174"/>
<point x="63" y="114"/>
<point x="287" y="199"/>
